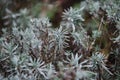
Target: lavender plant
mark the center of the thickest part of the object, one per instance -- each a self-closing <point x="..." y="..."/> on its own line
<point x="76" y="50"/>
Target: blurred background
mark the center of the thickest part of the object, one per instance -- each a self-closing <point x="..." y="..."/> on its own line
<point x="10" y="10"/>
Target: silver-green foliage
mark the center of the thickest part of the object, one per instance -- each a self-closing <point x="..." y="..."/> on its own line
<point x="29" y="51"/>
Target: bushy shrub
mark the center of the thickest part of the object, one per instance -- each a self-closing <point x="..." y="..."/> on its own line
<point x="85" y="46"/>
